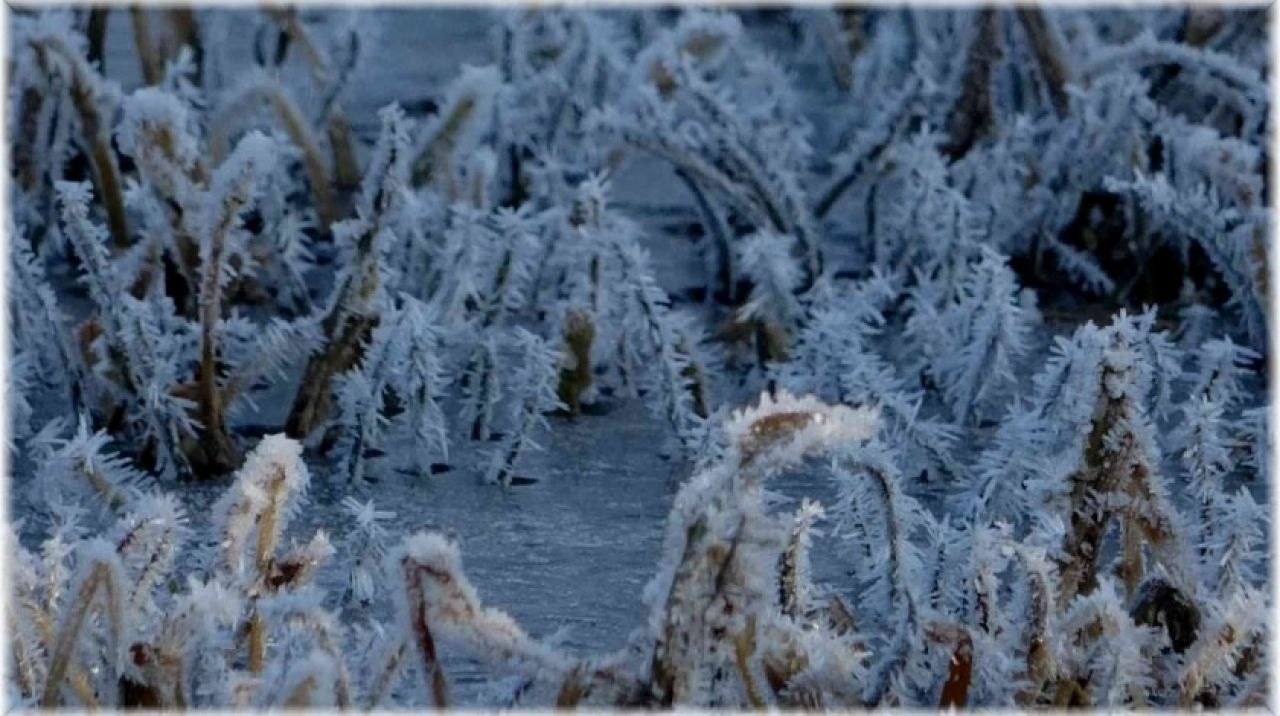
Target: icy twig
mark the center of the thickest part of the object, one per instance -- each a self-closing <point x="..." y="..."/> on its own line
<point x="99" y="571"/>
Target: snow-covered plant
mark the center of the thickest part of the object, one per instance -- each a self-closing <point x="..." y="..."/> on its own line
<point x="402" y="365"/>
<point x="38" y="329"/>
<point x="1230" y="231"/>
<point x="82" y="469"/>
<point x="231" y="192"/>
<point x="837" y="358"/>
<point x="355" y="303"/>
<point x="254" y="516"/>
<point x="99" y="579"/>
<point x="772" y="305"/>
<point x="1098" y="390"/>
<point x="367" y="548"/>
<point x="1115" y="655"/>
<point x="1218" y="667"/>
<point x="465" y="116"/>
<point x="53" y="51"/>
<point x="256" y="89"/>
<point x="702" y="100"/>
<point x="978" y="335"/>
<point x="715" y="634"/>
<point x="534" y="386"/>
<point x="594" y="284"/>
<point x="922" y="220"/>
<point x="668" y="341"/>
<point x="134" y="361"/>
<point x="558" y="66"/>
<point x="481" y="391"/>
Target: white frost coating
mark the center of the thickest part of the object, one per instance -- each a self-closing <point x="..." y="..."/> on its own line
<point x="534" y="387"/>
<point x="454" y="611"/>
<point x="368" y="548"/>
<point x="153" y="534"/>
<point x="766" y="258"/>
<point x="387" y="168"/>
<point x="98" y="579"/>
<point x="311" y="554"/>
<point x="1115" y="649"/>
<point x="234" y="183"/>
<point x="988" y="328"/>
<point x="802" y="426"/>
<point x="466" y="114"/>
<point x="273" y="477"/>
<point x="307" y="684"/>
<point x="706" y="37"/>
<point x="150" y="112"/>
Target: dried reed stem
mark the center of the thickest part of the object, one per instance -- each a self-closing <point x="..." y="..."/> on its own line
<point x="576" y="375"/>
<point x="219" y="454"/>
<point x="346" y="168"/>
<point x="348" y="328"/>
<point x="349" y="324"/>
<point x="955" y="691"/>
<point x="434" y="159"/>
<point x="287" y="19"/>
<point x="386" y="675"/>
<point x="1048" y="54"/>
<point x="78" y="610"/>
<point x="744" y="647"/>
<point x="148" y="59"/>
<point x="24" y="662"/>
<point x="75" y="676"/>
<point x="973" y="116"/>
<point x="413" y="573"/>
<point x="294" y="124"/>
<point x="96" y="135"/>
<point x="264" y="558"/>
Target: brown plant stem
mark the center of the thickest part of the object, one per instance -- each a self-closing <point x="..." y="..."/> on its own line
<point x="349" y="324"/>
<point x="348" y="331"/>
<point x="346" y="168"/>
<point x="287" y="19"/>
<point x="576" y="377"/>
<point x="148" y="59"/>
<point x="1048" y="53"/>
<point x="299" y="132"/>
<point x="63" y="649"/>
<point x="218" y="452"/>
<point x="433" y="161"/>
<point x="264" y="559"/>
<point x="386" y="675"/>
<point x="744" y="646"/>
<point x="955" y="691"/>
<point x="422" y="634"/>
<point x="973" y="116"/>
<point x="96" y="135"/>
